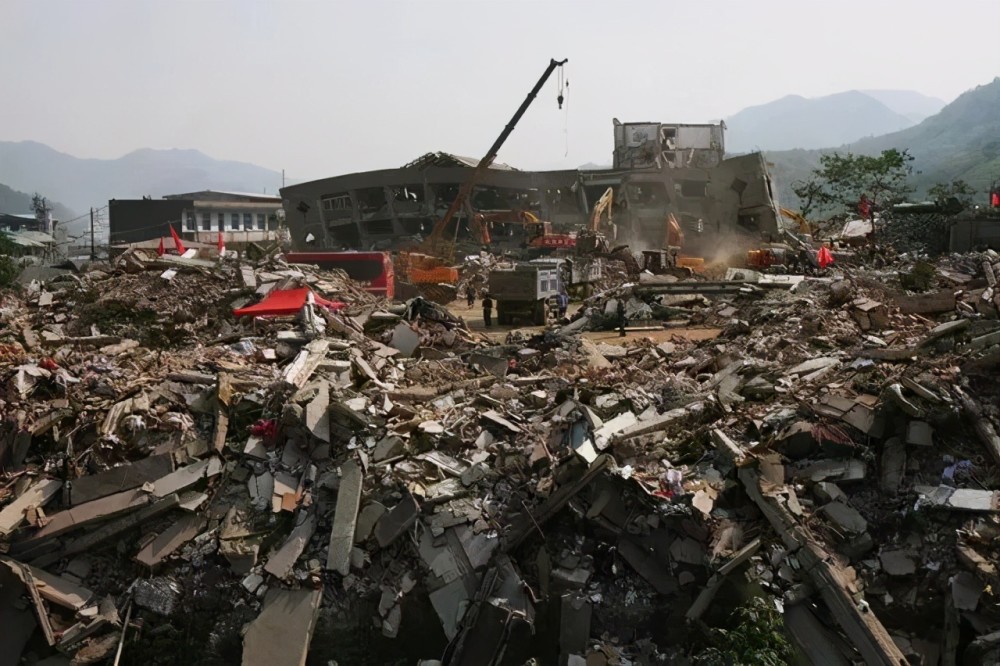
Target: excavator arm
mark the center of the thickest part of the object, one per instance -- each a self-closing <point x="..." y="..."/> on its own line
<point x="602" y="206"/>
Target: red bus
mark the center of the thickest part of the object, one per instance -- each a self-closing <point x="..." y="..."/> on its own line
<point x="373" y="270"/>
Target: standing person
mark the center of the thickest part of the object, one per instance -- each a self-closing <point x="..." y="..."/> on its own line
<point x="621" y="317"/>
<point x="487" y="309"/>
<point x="563" y="303"/>
<point x="470" y="296"/>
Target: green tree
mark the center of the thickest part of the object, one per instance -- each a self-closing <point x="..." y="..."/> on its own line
<point x="9" y="270"/>
<point x="758" y="638"/>
<point x="841" y="180"/>
<point x="956" y="189"/>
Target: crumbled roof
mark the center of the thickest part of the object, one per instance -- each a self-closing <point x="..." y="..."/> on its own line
<point x="441" y="159"/>
<point x="30" y="238"/>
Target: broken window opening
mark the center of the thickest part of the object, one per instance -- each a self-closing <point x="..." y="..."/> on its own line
<point x="750" y="222"/>
<point x="189" y="224"/>
<point x="371" y="202"/>
<point x="691" y="189"/>
<point x="408" y="199"/>
<point x="206" y="221"/>
<point x="338" y="206"/>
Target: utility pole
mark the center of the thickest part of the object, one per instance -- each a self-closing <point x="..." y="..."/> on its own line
<point x="93" y="254"/>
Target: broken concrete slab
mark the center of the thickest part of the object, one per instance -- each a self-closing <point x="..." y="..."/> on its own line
<point x="405" y="339"/>
<point x="844" y="517"/>
<point x="648" y="566"/>
<point x="317" y="420"/>
<point x="842" y="470"/>
<point x="281" y="634"/>
<point x="396" y="521"/>
<point x="812" y="365"/>
<point x="932" y="303"/>
<point x="345" y="518"/>
<point x="369" y="516"/>
<point x="281" y="561"/>
<point x="37" y="495"/>
<point x="16" y="618"/>
<point x="617" y="425"/>
<point x="186" y="477"/>
<point x="893" y="464"/>
<point x="898" y="562"/>
<point x="966" y="589"/>
<point x="862" y="627"/>
<point x="85" y="514"/>
<point x="919" y="433"/>
<point x="117" y="479"/>
<point x="944" y="330"/>
<point x="574" y="625"/>
<point x="959" y="499"/>
<point x="175" y="536"/>
<point x="120" y="524"/>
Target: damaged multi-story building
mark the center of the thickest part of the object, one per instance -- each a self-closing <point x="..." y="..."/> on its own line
<point x="658" y="169"/>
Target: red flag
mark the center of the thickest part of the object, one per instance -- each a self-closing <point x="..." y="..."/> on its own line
<point x="823" y="257"/>
<point x="160" y="251"/>
<point x="222" y="245"/>
<point x="177" y="241"/>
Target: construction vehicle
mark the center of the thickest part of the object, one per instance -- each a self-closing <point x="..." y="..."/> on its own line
<point x="669" y="260"/>
<point x="773" y="255"/>
<point x="437" y="253"/>
<point x="805" y="228"/>
<point x="524" y="291"/>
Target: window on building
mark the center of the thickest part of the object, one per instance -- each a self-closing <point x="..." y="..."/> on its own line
<point x="272" y="222"/>
<point x="234" y="221"/>
<point x="247" y="221"/>
<point x="260" y="221"/>
<point x="206" y="221"/>
<point x="338" y="206"/>
<point x="189" y="226"/>
<point x="222" y="221"/>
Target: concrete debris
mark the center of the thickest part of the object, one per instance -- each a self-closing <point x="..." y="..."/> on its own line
<point x="281" y="634"/>
<point x="432" y="490"/>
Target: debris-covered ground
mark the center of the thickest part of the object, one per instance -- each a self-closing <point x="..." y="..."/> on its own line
<point x="379" y="484"/>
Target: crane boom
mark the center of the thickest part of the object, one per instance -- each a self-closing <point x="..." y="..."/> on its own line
<point x="435" y="237"/>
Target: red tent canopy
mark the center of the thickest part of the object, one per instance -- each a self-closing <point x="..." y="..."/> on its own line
<point x="280" y="303"/>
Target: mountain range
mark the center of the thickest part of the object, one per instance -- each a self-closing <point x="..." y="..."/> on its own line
<point x="81" y="183"/>
<point x="797" y="122"/>
<point x="17" y="203"/>
<point x="961" y="141"/>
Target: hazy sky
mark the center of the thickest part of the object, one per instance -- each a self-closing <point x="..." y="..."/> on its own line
<point x="321" y="88"/>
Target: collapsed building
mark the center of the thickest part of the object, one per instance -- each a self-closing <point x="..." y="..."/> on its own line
<point x="189" y="474"/>
<point x="658" y="169"/>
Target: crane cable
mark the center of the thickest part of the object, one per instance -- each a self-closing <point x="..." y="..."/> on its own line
<point x="561" y="99"/>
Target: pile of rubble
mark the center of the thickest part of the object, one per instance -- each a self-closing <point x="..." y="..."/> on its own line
<point x="378" y="484"/>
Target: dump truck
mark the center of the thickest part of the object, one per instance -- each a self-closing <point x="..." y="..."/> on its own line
<point x="524" y="291"/>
